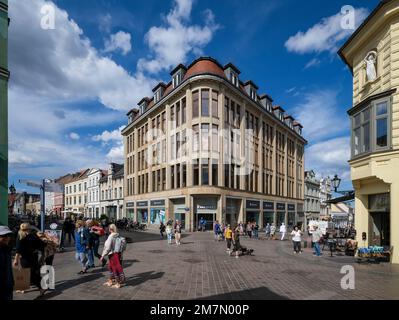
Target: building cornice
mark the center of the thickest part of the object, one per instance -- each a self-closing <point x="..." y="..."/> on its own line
<point x="205" y="76"/>
<point x="369" y="99"/>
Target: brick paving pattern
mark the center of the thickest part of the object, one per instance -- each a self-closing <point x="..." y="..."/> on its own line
<point x="200" y="269"/>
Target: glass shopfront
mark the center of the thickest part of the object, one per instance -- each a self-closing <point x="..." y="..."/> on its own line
<point x="142" y="211"/>
<point x="291" y="217"/>
<point x="253" y="211"/>
<point x="233" y="207"/>
<point x="280" y="217"/>
<point x="268" y="213"/>
<point x="130" y="210"/>
<point x="180" y="210"/>
<point x="157" y="212"/>
<point x="205" y="208"/>
<point x="380" y="228"/>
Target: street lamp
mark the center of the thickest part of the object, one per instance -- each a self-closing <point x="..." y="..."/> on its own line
<point x="336" y="182"/>
<point x="12" y="189"/>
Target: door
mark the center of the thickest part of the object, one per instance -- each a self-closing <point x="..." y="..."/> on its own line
<point x="209" y="219"/>
<point x="380" y="233"/>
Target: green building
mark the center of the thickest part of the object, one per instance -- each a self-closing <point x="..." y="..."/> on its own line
<point x="4" y="76"/>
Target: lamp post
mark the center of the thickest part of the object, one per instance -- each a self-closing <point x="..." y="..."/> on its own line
<point x="336" y="182"/>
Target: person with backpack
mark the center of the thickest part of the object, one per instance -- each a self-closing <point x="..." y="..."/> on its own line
<point x="114" y="247"/>
<point x="162" y="229"/>
<point x="177" y="229"/>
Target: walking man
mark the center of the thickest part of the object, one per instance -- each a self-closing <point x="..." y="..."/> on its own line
<point x="283" y="231"/>
<point x="316" y="236"/>
<point x="267" y="231"/>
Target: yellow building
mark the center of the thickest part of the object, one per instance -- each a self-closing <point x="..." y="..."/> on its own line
<point x="372" y="53"/>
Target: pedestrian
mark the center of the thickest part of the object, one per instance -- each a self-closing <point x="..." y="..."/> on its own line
<point x="316" y="237"/>
<point x="27" y="254"/>
<point x="169" y="232"/>
<point x="162" y="229"/>
<point x="273" y="231"/>
<point x="71" y="231"/>
<point x="6" y="275"/>
<point x="249" y="230"/>
<point x="96" y="232"/>
<point x="51" y="245"/>
<point x="81" y="245"/>
<point x="256" y="230"/>
<point x="90" y="243"/>
<point x="241" y="229"/>
<point x="296" y="240"/>
<point x="236" y="241"/>
<point x="229" y="237"/>
<point x="202" y="224"/>
<point x="216" y="230"/>
<point x="267" y="231"/>
<point x="116" y="274"/>
<point x="177" y="230"/>
<point x="283" y="231"/>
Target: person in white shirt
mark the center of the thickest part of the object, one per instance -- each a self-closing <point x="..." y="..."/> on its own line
<point x="296" y="240"/>
<point x="283" y="231"/>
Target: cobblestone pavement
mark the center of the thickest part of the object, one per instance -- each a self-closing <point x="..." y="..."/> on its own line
<point x="200" y="269"/>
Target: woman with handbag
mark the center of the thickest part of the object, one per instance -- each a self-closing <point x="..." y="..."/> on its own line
<point x="27" y="254"/>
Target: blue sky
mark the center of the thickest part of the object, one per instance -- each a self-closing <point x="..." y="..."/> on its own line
<point x="71" y="87"/>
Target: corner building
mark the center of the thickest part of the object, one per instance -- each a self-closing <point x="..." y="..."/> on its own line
<point x="207" y="145"/>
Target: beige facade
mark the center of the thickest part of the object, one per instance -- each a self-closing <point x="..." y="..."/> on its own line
<point x="372" y="53"/>
<point x="207" y="145"/>
<point x="75" y="192"/>
<point x="111" y="192"/>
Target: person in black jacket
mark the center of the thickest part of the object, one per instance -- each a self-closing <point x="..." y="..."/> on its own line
<point x="6" y="276"/>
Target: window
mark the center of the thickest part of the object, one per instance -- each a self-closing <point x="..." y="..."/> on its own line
<point x="215" y="104"/>
<point x="195" y="172"/>
<point x="196" y="138"/>
<point x="215" y="144"/>
<point x="205" y="137"/>
<point x="381" y="124"/>
<point x="172" y="116"/>
<point x="163" y="122"/>
<point x="184" y="175"/>
<point x="234" y="79"/>
<point x="178" y="114"/>
<point x="195" y="104"/>
<point x="205" y="103"/>
<point x="176" y="79"/>
<point x="172" y="176"/>
<point x="226" y="110"/>
<point x="183" y="111"/>
<point x="371" y="128"/>
<point x="205" y="172"/>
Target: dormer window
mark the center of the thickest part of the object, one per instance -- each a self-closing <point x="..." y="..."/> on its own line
<point x="178" y="75"/>
<point x="157" y="95"/>
<point x="234" y="79"/>
<point x="253" y="94"/>
<point x="232" y="73"/>
<point x="177" y="80"/>
<point x="251" y="89"/>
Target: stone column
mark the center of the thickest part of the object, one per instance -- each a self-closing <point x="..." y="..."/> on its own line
<point x="394" y="220"/>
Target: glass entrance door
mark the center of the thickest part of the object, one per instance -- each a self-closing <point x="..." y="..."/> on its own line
<point x="209" y="219"/>
<point x="380" y="233"/>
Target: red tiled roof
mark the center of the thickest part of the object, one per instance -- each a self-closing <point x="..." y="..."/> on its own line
<point x="204" y="66"/>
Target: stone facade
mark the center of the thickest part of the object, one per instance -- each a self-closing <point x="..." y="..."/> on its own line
<point x="111" y="192"/>
<point x="207" y="145"/>
<point x="76" y="193"/>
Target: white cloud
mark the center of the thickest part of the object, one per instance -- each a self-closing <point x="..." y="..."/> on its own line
<point x="291" y="90"/>
<point x="320" y="115"/>
<point x="108" y="136"/>
<point x="172" y="43"/>
<point x="325" y="35"/>
<point x="116" y="154"/>
<point x="105" y="23"/>
<point x="74" y="136"/>
<point x="120" y="41"/>
<point x="62" y="63"/>
<point x="312" y="63"/>
<point x="329" y="157"/>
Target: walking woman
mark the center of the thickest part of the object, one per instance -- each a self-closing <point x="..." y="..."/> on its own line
<point x="162" y="229"/>
<point x="28" y="246"/>
<point x="169" y="232"/>
<point x="228" y="233"/>
<point x="81" y="245"/>
<point x="116" y="274"/>
<point x="296" y="239"/>
<point x="177" y="229"/>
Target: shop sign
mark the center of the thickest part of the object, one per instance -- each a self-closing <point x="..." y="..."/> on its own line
<point x="206" y="207"/>
<point x="281" y="206"/>
<point x="142" y="203"/>
<point x="291" y="207"/>
<point x="251" y="204"/>
<point x="268" y="205"/>
<point x="129" y="204"/>
<point x="157" y="203"/>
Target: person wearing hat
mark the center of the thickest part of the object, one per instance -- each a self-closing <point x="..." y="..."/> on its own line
<point x="6" y="276"/>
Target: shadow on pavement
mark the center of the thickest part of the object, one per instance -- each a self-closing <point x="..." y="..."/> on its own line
<point x="143" y="277"/>
<point x="65" y="285"/>
<point x="261" y="293"/>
